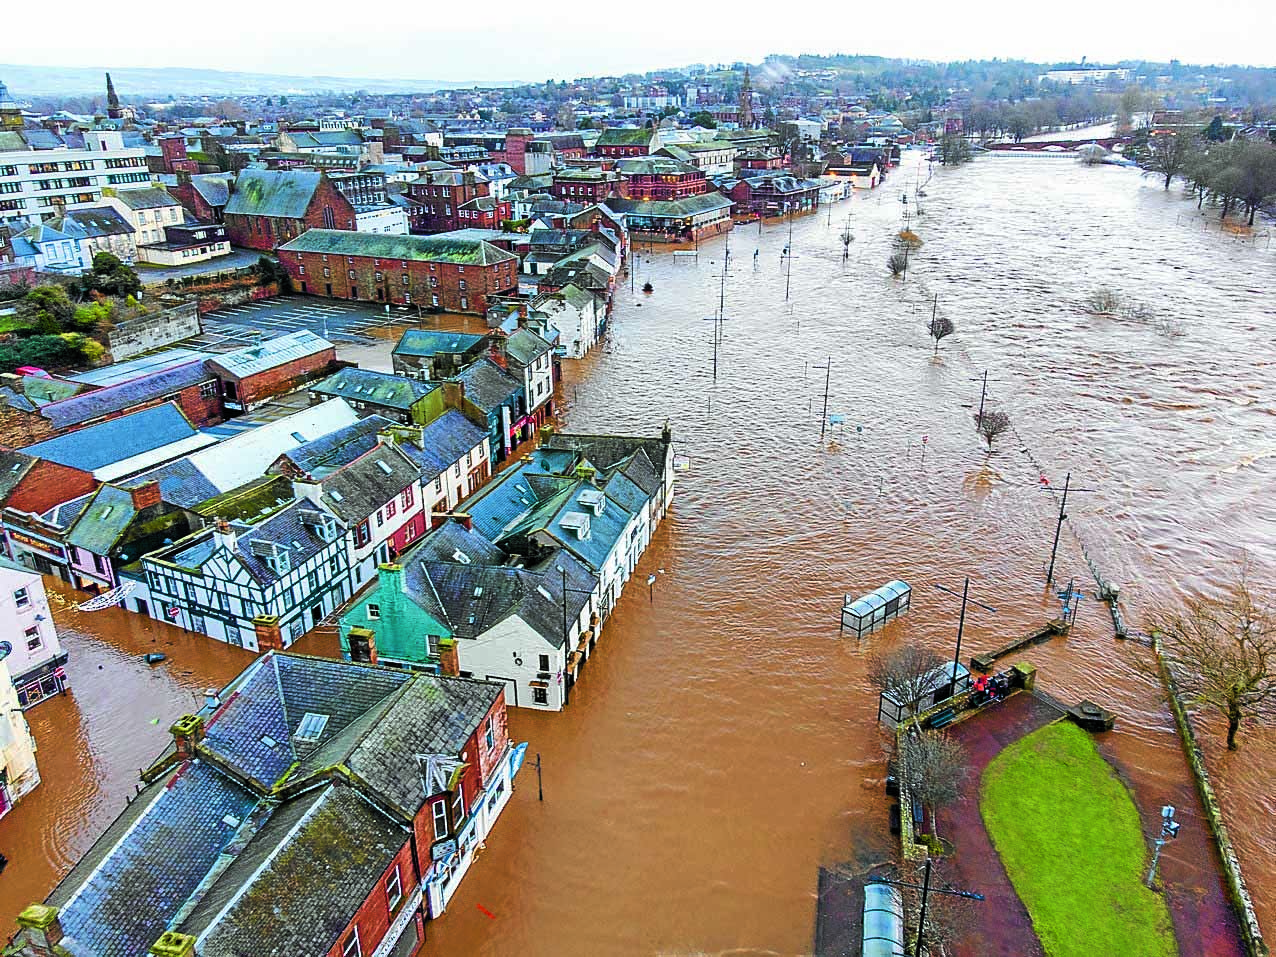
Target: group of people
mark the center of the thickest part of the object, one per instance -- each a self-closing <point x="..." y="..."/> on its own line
<point x="989" y="688"/>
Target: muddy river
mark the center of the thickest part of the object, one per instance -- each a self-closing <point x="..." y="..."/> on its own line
<point x="722" y="745"/>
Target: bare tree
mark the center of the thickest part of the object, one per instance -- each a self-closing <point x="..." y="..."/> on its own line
<point x="898" y="264"/>
<point x="992" y="425"/>
<point x="1168" y="154"/>
<point x="904" y="672"/>
<point x="1223" y="650"/>
<point x="940" y="326"/>
<point x="933" y="768"/>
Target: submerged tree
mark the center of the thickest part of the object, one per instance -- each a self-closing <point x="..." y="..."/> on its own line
<point x="940" y="326"/>
<point x="1170" y="154"/>
<point x="1223" y="650"/>
<point x="992" y="425"/>
<point x="898" y="264"/>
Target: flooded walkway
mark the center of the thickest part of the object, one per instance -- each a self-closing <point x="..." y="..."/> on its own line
<point x="722" y="746"/>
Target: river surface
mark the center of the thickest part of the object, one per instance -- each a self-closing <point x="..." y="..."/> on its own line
<point x="721" y="746"/>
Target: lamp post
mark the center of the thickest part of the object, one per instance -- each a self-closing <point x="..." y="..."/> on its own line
<point x="961" y="621"/>
<point x="1063" y="513"/>
<point x="1169" y="831"/>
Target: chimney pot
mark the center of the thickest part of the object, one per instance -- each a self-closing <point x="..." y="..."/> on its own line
<point x="449" y="660"/>
<point x="269" y="637"/>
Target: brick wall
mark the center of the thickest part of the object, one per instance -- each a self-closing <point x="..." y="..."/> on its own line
<point x="257" y="388"/>
<point x="49" y="484"/>
<point x="328" y="209"/>
<point x="366" y="278"/>
<point x="373" y="917"/>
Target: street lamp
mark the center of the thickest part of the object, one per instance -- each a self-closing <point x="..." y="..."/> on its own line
<point x="1169" y="831"/>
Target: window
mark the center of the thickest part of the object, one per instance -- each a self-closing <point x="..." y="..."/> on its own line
<point x="490" y="737"/>
<point x="312" y="579"/>
<point x="97" y="560"/>
<point x="458" y="804"/>
<point x="374" y="611"/>
<point x="21" y="598"/>
<point x="391" y="507"/>
<point x="439" y="809"/>
<point x="464" y="303"/>
<point x="544" y="662"/>
<point x="438" y="484"/>
<point x="362" y="535"/>
<point x="32" y="634"/>
<point x="394" y="889"/>
<point x="208" y="390"/>
<point x="350" y="947"/>
<point x="406" y="497"/>
<point x="461" y="284"/>
<point x="380" y="518"/>
<point x="540" y="696"/>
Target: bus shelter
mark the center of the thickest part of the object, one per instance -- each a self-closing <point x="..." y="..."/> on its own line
<point x="862" y="616"/>
<point x="938" y="686"/>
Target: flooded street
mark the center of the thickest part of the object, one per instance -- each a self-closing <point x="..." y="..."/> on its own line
<point x="722" y="744"/>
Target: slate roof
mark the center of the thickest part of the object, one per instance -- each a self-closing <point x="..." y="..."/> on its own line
<point x="489" y="386"/>
<point x="146" y="198"/>
<point x="672" y="208"/>
<point x="620" y="136"/>
<point x="62" y="516"/>
<point x="269" y="354"/>
<point x="285" y="194"/>
<point x="355" y="491"/>
<point x="109" y="512"/>
<point x="92" y="222"/>
<point x="269" y="700"/>
<point x="654" y="166"/>
<point x="426" y="342"/>
<point x="14" y="467"/>
<point x="343" y="242"/>
<point x="443" y="543"/>
<point x="213" y="187"/>
<point x="380" y="388"/>
<point x="524" y="346"/>
<point x="117" y="439"/>
<point x="326" y="453"/>
<point x="127" y="902"/>
<point x="65" y="413"/>
<point x="312" y="879"/>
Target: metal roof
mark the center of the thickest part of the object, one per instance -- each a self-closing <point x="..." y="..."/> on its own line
<point x="271" y="353"/>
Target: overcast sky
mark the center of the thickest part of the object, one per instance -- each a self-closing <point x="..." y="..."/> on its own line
<point x="509" y="40"/>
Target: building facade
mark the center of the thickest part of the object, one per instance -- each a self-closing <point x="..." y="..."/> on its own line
<point x="29" y="644"/>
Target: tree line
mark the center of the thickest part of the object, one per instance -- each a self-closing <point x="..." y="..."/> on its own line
<point x="1237" y="173"/>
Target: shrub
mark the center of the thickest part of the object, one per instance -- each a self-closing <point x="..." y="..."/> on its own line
<point x="897" y="263"/>
<point x="1104" y="300"/>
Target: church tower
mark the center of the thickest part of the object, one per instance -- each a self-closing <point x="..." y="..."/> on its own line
<point x="746" y="103"/>
<point x="10" y="115"/>
<point x="113" y="110"/>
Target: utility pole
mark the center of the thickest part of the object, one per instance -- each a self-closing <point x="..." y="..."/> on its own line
<point x="921" y="920"/>
<point x="961" y="620"/>
<point x="1063" y="513"/>
<point x="983" y="394"/>
<point x="824" y="419"/>
<point x="540" y="791"/>
<point x="788" y="262"/>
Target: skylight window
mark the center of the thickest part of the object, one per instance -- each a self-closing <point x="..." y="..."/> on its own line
<point x="335" y="495"/>
<point x="478" y="591"/>
<point x="268" y="741"/>
<point x="311" y="727"/>
<point x="299" y="437"/>
<point x="384" y="467"/>
<point x="461" y="557"/>
<point x="106" y="512"/>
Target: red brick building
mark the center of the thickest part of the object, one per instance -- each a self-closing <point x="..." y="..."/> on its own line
<point x="443" y="195"/>
<point x="267" y="208"/>
<point x="251" y="375"/>
<point x="586" y="185"/>
<point x="445" y="273"/>
<point x="617" y="143"/>
<point x="655" y="177"/>
<point x="34" y="485"/>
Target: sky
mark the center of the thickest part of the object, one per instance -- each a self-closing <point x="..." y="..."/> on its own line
<point x="501" y="40"/>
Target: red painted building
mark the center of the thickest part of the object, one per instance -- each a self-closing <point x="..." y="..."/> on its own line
<point x="34" y="485"/>
<point x="587" y="185"/>
<point x="267" y="208"/>
<point x="658" y="178"/>
<point x="448" y="274"/>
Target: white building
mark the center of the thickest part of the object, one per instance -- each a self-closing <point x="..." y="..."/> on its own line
<point x="29" y="643"/>
<point x="150" y="211"/>
<point x="47" y="177"/>
<point x="575" y="314"/>
<point x="18" y="771"/>
<point x="389" y="219"/>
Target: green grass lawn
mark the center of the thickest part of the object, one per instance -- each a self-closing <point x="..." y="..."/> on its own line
<point x="1070" y="838"/>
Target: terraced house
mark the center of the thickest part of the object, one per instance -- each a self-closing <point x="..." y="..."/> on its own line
<point x="452" y="275"/>
<point x="312" y="808"/>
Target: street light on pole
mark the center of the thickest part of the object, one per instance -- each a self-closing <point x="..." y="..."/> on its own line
<point x="961" y="620"/>
<point x="1063" y="513"/>
<point x="1169" y="831"/>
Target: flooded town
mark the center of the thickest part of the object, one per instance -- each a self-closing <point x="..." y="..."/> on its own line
<point x="668" y="447"/>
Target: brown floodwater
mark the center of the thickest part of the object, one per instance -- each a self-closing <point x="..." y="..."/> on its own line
<point x="722" y="745"/>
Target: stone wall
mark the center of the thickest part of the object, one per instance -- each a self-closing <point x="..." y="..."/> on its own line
<point x="1251" y="933"/>
<point x="132" y="337"/>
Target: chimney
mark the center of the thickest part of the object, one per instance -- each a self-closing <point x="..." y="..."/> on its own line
<point x="40" y="930"/>
<point x="449" y="662"/>
<point x="269" y="637"/>
<point x="173" y="944"/>
<point x="145" y="494"/>
<point x="224" y="535"/>
<point x="466" y="520"/>
<point x="212" y="699"/>
<point x="187" y="731"/>
<point x="363" y="645"/>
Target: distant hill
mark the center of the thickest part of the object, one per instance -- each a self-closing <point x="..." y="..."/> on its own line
<point x="27" y="81"/>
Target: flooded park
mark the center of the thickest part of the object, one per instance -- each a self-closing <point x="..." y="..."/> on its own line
<point x="723" y="745"/>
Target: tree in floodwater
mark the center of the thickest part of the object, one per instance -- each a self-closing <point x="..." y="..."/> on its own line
<point x="905" y="673"/>
<point x="1169" y="155"/>
<point x="1257" y="162"/>
<point x="940" y="326"/>
<point x="1223" y="651"/>
<point x="933" y="766"/>
<point x="954" y="149"/>
<point x="898" y="264"/>
<point x="992" y="425"/>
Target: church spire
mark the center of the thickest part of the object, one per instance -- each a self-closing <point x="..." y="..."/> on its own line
<point x="112" y="101"/>
<point x="746" y="103"/>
